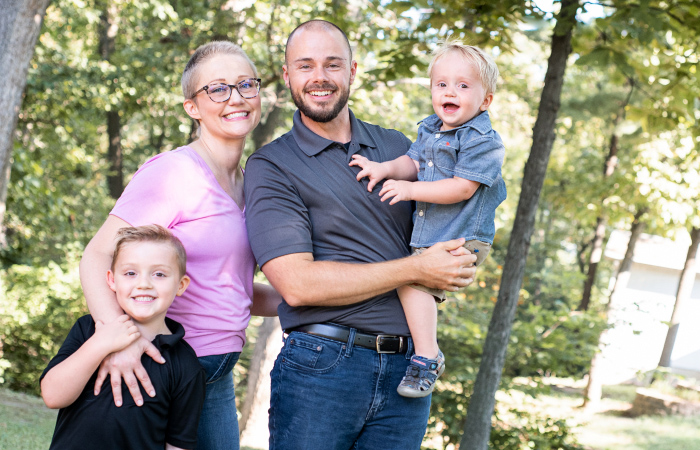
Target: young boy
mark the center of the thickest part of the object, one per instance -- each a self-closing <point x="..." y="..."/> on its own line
<point x="148" y="271"/>
<point x="457" y="160"/>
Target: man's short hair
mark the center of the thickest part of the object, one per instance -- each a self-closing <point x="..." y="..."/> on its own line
<point x="316" y="23"/>
<point x="487" y="68"/>
<point x="203" y="54"/>
<point x="151" y="233"/>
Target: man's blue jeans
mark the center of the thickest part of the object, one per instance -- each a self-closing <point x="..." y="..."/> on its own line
<point x="327" y="395"/>
<point x="218" y="425"/>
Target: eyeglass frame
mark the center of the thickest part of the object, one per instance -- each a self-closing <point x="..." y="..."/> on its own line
<point x="258" y="82"/>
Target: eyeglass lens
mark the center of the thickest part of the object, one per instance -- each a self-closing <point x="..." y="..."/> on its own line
<point x="222" y="92"/>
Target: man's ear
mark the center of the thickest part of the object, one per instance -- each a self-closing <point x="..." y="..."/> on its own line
<point x="110" y="281"/>
<point x="353" y="70"/>
<point x="285" y="75"/>
<point x="487" y="102"/>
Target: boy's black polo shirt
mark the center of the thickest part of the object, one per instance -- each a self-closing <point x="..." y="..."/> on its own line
<point x="171" y="416"/>
<point x="302" y="196"/>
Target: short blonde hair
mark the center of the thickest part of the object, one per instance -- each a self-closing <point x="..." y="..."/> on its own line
<point x="150" y="233"/>
<point x="204" y="53"/>
<point x="487" y="68"/>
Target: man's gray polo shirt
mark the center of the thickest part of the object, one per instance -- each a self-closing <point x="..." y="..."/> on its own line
<point x="302" y="196"/>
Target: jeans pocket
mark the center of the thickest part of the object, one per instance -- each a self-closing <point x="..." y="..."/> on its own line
<point x="311" y="353"/>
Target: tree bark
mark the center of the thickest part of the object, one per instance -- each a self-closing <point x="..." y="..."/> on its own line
<point x="20" y="24"/>
<point x="477" y="428"/>
<point x="108" y="33"/>
<point x="254" y="413"/>
<point x="685" y="286"/>
<point x="594" y="388"/>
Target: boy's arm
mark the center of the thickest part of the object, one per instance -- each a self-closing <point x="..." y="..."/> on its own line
<point x="443" y="192"/>
<point x="401" y="168"/>
<point x="63" y="383"/>
<point x="172" y="447"/>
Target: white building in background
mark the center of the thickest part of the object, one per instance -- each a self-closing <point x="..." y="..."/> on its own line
<point x="641" y="312"/>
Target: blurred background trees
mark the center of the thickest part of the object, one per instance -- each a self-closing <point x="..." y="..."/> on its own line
<point x="102" y="95"/>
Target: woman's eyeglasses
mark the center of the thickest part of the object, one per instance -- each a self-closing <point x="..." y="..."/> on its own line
<point x="220" y="93"/>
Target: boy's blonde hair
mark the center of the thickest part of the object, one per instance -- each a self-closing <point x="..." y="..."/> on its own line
<point x="151" y="233"/>
<point x="204" y="53"/>
<point x="487" y="68"/>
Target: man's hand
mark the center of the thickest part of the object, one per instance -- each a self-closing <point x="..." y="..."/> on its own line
<point x="447" y="265"/>
<point x="399" y="190"/>
<point x="126" y="364"/>
<point x="374" y="170"/>
<point x="117" y="334"/>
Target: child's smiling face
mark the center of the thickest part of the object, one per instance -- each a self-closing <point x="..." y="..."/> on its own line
<point x="146" y="279"/>
<point x="457" y="91"/>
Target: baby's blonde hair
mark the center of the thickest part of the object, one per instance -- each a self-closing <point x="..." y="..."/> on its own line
<point x="487" y="68"/>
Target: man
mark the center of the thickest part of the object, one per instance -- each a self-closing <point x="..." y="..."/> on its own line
<point x="337" y="253"/>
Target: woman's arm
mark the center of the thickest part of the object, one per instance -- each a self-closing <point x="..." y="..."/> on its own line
<point x="102" y="303"/>
<point x="265" y="300"/>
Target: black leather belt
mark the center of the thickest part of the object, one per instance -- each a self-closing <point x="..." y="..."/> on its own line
<point x="382" y="343"/>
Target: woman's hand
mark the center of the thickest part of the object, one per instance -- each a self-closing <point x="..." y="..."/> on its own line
<point x="126" y="364"/>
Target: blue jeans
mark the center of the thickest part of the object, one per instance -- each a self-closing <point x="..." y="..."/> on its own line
<point x="218" y="425"/>
<point x="328" y="395"/>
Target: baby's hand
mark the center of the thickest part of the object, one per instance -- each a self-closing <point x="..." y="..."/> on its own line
<point x="117" y="334"/>
<point x="374" y="170"/>
<point x="400" y="190"/>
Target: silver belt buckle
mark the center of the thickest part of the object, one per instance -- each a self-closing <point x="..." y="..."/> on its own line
<point x="380" y="337"/>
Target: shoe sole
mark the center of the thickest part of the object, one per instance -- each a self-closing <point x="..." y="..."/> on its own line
<point x="412" y="393"/>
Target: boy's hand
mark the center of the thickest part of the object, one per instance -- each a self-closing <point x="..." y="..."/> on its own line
<point x="116" y="334"/>
<point x="374" y="170"/>
<point x="398" y="189"/>
<point x="126" y="363"/>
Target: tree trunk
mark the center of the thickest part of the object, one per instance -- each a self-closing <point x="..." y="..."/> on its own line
<point x="685" y="286"/>
<point x="593" y="392"/>
<point x="20" y="24"/>
<point x="477" y="428"/>
<point x="601" y="222"/>
<point x="263" y="133"/>
<point x="254" y="413"/>
<point x="596" y="255"/>
<point x="108" y="33"/>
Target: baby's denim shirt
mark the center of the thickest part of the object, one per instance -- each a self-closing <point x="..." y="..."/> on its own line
<point x="473" y="151"/>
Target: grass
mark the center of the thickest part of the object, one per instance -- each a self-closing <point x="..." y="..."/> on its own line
<point x="25" y="423"/>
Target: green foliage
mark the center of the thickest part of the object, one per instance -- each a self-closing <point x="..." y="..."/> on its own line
<point x="40" y="306"/>
<point x="533" y="431"/>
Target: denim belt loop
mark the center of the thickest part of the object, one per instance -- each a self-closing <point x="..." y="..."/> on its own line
<point x="409" y="347"/>
<point x="351" y="343"/>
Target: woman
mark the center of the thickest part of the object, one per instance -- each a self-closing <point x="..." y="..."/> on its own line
<point x="197" y="192"/>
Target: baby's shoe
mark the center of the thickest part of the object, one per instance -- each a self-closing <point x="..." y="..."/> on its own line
<point x="421" y="374"/>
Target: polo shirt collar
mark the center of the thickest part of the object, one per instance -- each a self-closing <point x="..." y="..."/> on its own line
<point x="163" y="341"/>
<point x="312" y="144"/>
<point x="481" y="123"/>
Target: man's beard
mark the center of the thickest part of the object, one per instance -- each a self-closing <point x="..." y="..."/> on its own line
<point x="327" y="112"/>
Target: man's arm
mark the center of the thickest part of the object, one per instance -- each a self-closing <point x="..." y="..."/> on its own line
<point x="62" y="385"/>
<point x="103" y="306"/>
<point x="442" y="192"/>
<point x="302" y="281"/>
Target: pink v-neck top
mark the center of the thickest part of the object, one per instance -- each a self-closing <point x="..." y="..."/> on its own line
<point x="178" y="190"/>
